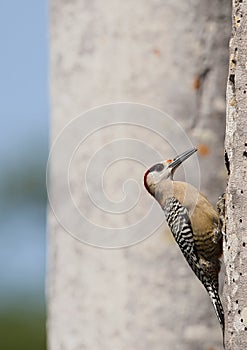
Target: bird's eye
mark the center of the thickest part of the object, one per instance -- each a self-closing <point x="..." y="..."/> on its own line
<point x="157" y="167"/>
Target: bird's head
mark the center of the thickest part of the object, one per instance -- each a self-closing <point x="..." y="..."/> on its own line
<point x="164" y="170"/>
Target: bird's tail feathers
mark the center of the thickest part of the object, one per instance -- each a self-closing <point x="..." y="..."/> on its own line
<point x="214" y="296"/>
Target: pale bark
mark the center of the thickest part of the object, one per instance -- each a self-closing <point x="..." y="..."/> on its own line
<point x="171" y="55"/>
<point x="235" y="253"/>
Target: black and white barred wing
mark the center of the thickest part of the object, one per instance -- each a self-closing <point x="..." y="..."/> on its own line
<point x="179" y="223"/>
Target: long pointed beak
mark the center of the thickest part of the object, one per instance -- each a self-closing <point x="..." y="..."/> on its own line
<point x="181" y="158"/>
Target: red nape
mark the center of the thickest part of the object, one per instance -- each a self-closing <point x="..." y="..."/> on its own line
<point x="145" y="180"/>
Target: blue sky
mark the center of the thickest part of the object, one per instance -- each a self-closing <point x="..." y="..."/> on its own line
<point x="23" y="71"/>
<point x="23" y="145"/>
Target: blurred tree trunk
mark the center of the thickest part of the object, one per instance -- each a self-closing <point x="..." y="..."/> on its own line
<point x="235" y="253"/>
<point x="173" y="56"/>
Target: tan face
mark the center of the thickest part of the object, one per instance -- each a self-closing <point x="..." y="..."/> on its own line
<point x="164" y="170"/>
<point x="156" y="173"/>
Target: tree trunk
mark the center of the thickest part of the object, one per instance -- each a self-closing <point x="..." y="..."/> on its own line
<point x="171" y="55"/>
<point x="235" y="246"/>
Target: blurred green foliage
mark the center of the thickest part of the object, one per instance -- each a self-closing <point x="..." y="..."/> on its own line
<point x="22" y="331"/>
<point x="23" y="184"/>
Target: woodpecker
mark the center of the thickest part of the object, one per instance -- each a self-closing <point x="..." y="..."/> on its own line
<point x="193" y="222"/>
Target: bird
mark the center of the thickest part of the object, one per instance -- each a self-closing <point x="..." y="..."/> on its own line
<point x="193" y="222"/>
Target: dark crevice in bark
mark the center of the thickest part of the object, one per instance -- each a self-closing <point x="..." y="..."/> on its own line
<point x="227" y="163"/>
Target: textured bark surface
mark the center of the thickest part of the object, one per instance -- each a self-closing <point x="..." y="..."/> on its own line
<point x="235" y="253"/>
<point x="173" y="56"/>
